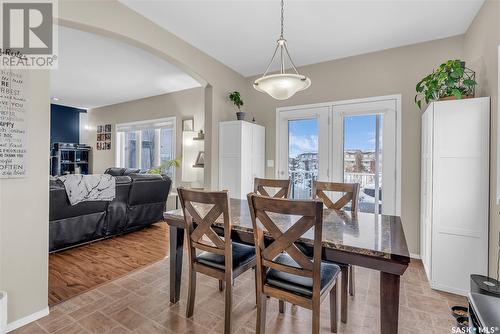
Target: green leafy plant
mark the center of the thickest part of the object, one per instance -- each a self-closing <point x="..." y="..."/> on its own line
<point x="451" y="78"/>
<point x="165" y="166"/>
<point x="236" y="99"/>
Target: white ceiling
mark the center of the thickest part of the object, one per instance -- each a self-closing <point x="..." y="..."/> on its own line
<point x="97" y="71"/>
<point x="242" y="34"/>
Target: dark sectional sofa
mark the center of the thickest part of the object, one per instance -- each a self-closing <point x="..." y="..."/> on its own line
<point x="140" y="201"/>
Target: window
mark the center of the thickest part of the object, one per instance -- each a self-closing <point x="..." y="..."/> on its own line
<point x="353" y="141"/>
<point x="362" y="158"/>
<point x="148" y="158"/>
<point x="129" y="158"/>
<point x="302" y="156"/>
<point x="146" y="144"/>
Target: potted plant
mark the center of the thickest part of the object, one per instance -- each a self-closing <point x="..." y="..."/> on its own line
<point x="165" y="166"/>
<point x="235" y="97"/>
<point x="451" y="80"/>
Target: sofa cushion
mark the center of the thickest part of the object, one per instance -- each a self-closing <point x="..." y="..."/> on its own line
<point x="116" y="217"/>
<point x="60" y="207"/>
<point x="148" y="188"/>
<point x="118" y="171"/>
<point x="76" y="230"/>
<point x="115" y="171"/>
<point x="129" y="171"/>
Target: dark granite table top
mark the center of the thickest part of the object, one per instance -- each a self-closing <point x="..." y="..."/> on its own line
<point x="368" y="234"/>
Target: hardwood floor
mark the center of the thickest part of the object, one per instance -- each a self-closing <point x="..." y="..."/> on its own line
<point x="80" y="269"/>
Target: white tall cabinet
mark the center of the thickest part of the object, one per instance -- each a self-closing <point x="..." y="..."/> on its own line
<point x="455" y="192"/>
<point x="241" y="156"/>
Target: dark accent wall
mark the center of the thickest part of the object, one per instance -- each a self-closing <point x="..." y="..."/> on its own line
<point x="64" y="124"/>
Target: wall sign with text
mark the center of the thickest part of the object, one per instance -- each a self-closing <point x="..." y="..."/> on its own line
<point x="13" y="127"/>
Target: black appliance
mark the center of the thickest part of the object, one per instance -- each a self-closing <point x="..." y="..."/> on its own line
<point x="484" y="313"/>
<point x="484" y="305"/>
<point x="484" y="285"/>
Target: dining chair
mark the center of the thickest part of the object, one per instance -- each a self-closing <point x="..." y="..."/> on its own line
<point x="283" y="187"/>
<point x="284" y="190"/>
<point x="350" y="194"/>
<point x="283" y="270"/>
<point x="219" y="258"/>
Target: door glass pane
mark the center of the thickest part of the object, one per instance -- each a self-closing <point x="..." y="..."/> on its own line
<point x="362" y="163"/>
<point x="166" y="148"/>
<point x="148" y="149"/>
<point x="129" y="158"/>
<point x="302" y="156"/>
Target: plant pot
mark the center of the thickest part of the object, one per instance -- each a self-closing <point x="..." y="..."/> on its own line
<point x="455" y="98"/>
<point x="240" y="116"/>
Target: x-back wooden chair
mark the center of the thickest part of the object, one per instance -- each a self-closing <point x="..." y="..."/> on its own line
<point x="283" y="186"/>
<point x="220" y="257"/>
<point x="350" y="194"/>
<point x="283" y="270"/>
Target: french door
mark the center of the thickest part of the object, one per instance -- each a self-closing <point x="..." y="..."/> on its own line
<point x="352" y="142"/>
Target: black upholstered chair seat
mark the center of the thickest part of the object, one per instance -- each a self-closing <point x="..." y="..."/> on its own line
<point x="297" y="284"/>
<point x="242" y="254"/>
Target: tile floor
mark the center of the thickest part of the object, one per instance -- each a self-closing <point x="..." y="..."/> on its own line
<point x="139" y="303"/>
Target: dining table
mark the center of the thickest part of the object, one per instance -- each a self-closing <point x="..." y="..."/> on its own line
<point x="375" y="241"/>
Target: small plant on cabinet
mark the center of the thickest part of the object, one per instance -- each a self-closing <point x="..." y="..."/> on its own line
<point x="451" y="80"/>
<point x="235" y="98"/>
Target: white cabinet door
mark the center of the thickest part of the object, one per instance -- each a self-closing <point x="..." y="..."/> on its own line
<point x="241" y="156"/>
<point x="258" y="151"/>
<point x="230" y="158"/>
<point x="246" y="167"/>
<point x="426" y="190"/>
<point x="460" y="192"/>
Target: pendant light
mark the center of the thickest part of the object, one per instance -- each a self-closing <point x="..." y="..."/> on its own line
<point x="284" y="85"/>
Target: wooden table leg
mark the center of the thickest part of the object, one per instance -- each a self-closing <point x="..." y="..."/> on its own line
<point x="344" y="293"/>
<point x="389" y="303"/>
<point x="176" y="251"/>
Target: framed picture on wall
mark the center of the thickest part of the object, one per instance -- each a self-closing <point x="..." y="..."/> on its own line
<point x="100" y="129"/>
<point x="200" y="159"/>
<point x="188" y="124"/>
<point x="107" y="128"/>
<point x="107" y="136"/>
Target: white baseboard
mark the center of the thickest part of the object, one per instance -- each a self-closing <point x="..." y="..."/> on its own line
<point x="415" y="256"/>
<point x="26" y="320"/>
<point x="449" y="289"/>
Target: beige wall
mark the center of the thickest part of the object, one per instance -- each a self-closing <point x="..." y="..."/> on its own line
<point x="481" y="53"/>
<point x="23" y="240"/>
<point x="394" y="71"/>
<point x="24" y="213"/>
<point x="183" y="104"/>
<point x="115" y="20"/>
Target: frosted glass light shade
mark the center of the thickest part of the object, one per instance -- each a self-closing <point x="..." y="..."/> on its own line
<point x="282" y="86"/>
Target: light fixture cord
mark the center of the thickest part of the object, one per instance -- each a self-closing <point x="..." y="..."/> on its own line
<point x="282" y="16"/>
<point x="282" y="47"/>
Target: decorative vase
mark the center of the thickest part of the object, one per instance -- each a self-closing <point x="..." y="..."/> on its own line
<point x="240" y="116"/>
